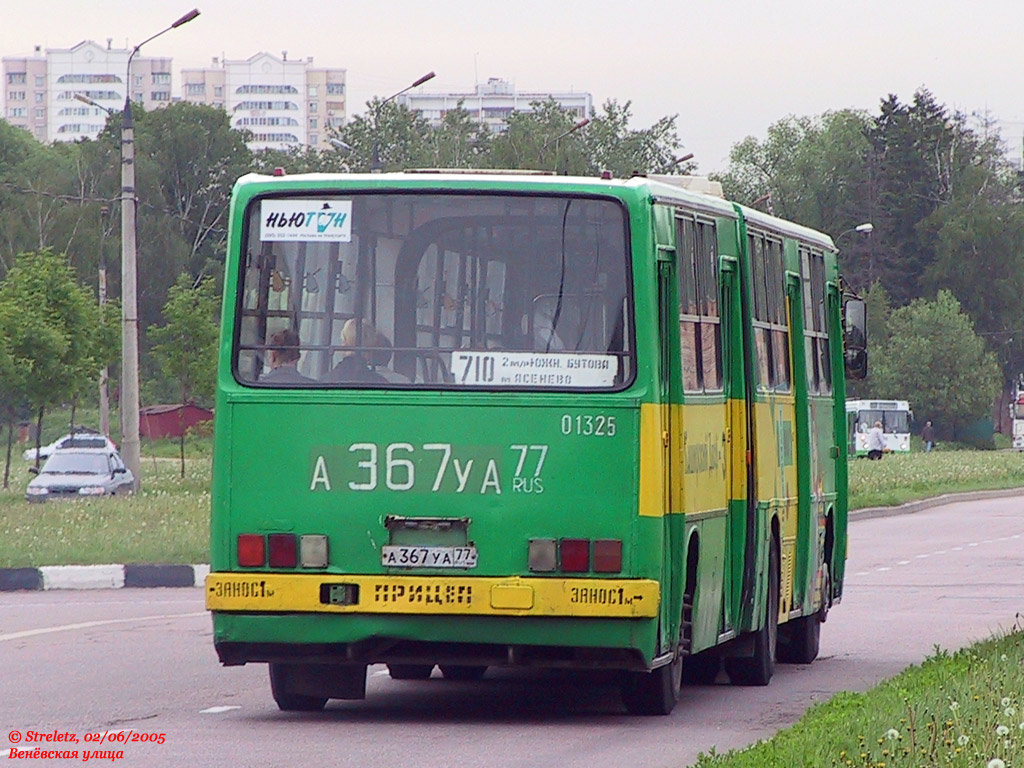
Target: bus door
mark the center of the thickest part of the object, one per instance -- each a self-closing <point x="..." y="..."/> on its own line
<point x="669" y="418"/>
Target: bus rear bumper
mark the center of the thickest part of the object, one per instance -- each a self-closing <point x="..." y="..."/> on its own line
<point x="432" y="595"/>
<point x="473" y="621"/>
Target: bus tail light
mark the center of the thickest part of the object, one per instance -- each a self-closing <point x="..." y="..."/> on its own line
<point x="608" y="555"/>
<point x="251" y="550"/>
<point x="283" y="552"/>
<point x="575" y="555"/>
<point x="313" y="551"/>
<point x="543" y="555"/>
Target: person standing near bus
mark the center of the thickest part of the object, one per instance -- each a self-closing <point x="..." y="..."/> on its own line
<point x="928" y="435"/>
<point x="876" y="441"/>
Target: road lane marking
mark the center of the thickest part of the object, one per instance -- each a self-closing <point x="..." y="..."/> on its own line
<point x="90" y="624"/>
<point x="217" y="710"/>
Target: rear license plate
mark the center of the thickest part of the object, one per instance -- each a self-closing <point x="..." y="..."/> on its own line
<point x="405" y="556"/>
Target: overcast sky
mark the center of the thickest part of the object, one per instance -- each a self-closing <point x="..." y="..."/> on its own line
<point x="727" y="68"/>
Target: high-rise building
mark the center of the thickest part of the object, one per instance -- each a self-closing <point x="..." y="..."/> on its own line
<point x="39" y="90"/>
<point x="284" y="103"/>
<point x="492" y="102"/>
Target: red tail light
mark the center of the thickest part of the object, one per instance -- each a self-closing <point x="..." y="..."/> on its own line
<point x="607" y="556"/>
<point x="575" y="555"/>
<point x="283" y="551"/>
<point x="251" y="550"/>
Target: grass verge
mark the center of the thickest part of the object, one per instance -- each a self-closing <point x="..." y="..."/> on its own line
<point x="168" y="521"/>
<point x="899" y="478"/>
<point x="955" y="710"/>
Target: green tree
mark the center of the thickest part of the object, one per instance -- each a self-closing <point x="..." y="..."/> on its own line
<point x="57" y="333"/>
<point x="186" y="346"/>
<point x="934" y="359"/>
<point x="389" y="135"/>
<point x="459" y="141"/>
<point x="195" y="158"/>
<point x="541" y="140"/>
<point x="611" y="145"/>
<point x="28" y="343"/>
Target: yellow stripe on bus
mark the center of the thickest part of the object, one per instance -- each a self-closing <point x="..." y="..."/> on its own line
<point x="432" y="595"/>
<point x="652" y="471"/>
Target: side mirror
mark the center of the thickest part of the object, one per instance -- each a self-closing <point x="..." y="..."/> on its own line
<point x="33" y="470"/>
<point x="855" y="337"/>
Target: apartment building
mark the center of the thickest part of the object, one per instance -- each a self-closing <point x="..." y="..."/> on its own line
<point x="283" y="103"/>
<point x="492" y="102"/>
<point x="39" y="90"/>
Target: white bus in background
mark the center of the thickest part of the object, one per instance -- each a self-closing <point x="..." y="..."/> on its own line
<point x="895" y="416"/>
<point x="1017" y="414"/>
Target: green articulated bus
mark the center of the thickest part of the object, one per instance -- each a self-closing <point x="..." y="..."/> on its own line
<point x="471" y="420"/>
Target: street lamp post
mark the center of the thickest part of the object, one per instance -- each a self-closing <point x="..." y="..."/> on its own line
<point x="377" y="166"/>
<point x="130" y="449"/>
<point x="102" y="290"/>
<point x="584" y="122"/>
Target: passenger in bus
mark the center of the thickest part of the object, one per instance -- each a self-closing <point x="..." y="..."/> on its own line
<point x="545" y="337"/>
<point x="380" y="361"/>
<point x="354" y="368"/>
<point x="876" y="442"/>
<point x="283" y="358"/>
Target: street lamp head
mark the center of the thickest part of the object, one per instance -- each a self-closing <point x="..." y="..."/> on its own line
<point x="422" y="80"/>
<point x="86" y="100"/>
<point x="866" y="227"/>
<point x="339" y="144"/>
<point x="186" y="18"/>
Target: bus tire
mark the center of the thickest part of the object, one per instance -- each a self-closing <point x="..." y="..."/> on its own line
<point x="803" y="639"/>
<point x="758" y="668"/>
<point x="410" y="671"/>
<point x="287" y="700"/>
<point x="655" y="692"/>
<point x="463" y="672"/>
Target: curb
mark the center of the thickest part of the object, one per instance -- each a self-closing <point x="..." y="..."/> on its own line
<point x="138" y="575"/>
<point x="102" y="576"/>
<point x="910" y="507"/>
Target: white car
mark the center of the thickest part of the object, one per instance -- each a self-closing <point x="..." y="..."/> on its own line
<point x="72" y="473"/>
<point x="77" y="440"/>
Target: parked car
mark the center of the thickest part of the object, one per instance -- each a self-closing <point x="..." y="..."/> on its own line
<point x="83" y="437"/>
<point x="79" y="472"/>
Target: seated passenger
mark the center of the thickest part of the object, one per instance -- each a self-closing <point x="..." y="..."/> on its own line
<point x="283" y="358"/>
<point x="380" y="361"/>
<point x="353" y="367"/>
<point x="545" y="337"/>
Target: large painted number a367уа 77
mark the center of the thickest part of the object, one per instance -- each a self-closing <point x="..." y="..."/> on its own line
<point x="484" y="420"/>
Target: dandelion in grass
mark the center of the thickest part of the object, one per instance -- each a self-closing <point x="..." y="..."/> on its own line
<point x="1010" y="711"/>
<point x="1002" y="730"/>
<point x="963" y="739"/>
<point x="1006" y="699"/>
<point x="892" y="734"/>
<point x="954" y="705"/>
<point x="995" y="762"/>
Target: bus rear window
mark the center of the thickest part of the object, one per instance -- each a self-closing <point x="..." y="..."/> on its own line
<point x="434" y="291"/>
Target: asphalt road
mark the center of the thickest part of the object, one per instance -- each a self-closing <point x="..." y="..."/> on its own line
<point x="141" y="662"/>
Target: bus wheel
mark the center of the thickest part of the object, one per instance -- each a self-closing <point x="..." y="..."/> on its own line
<point x="804" y="634"/>
<point x="282" y="688"/>
<point x="758" y="669"/>
<point x="410" y="671"/>
<point x="462" y="672"/>
<point x="655" y="692"/>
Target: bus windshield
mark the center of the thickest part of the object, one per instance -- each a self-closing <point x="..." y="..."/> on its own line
<point x="892" y="421"/>
<point x="413" y="290"/>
